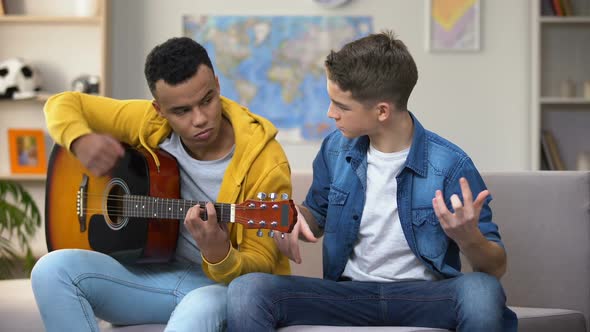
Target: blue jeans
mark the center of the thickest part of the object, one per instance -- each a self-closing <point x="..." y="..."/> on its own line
<point x="72" y="287"/>
<point x="263" y="302"/>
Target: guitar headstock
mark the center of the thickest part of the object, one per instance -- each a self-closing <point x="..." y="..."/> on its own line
<point x="275" y="216"/>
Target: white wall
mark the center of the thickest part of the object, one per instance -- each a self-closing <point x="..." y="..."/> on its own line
<point x="478" y="100"/>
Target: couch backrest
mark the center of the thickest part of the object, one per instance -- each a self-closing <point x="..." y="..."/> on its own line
<point x="544" y="220"/>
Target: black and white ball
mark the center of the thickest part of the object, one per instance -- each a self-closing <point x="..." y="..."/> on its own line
<point x="18" y="80"/>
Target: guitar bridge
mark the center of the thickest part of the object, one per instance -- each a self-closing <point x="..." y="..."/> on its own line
<point x="81" y="203"/>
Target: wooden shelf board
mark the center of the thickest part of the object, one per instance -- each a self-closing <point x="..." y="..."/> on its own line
<point x="41" y="98"/>
<point x="23" y="177"/>
<point x="50" y="19"/>
<point x="564" y="101"/>
<point x="565" y="19"/>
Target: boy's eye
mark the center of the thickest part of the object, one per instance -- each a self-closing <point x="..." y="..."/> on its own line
<point x="180" y="111"/>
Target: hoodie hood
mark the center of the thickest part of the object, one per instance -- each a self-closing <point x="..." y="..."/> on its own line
<point x="255" y="132"/>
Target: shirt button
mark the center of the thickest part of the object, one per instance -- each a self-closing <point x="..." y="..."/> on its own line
<point x="355" y="217"/>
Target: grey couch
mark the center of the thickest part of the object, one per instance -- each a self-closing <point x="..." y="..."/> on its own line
<point x="544" y="219"/>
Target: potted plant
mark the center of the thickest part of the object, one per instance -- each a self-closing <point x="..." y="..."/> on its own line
<point x="19" y="219"/>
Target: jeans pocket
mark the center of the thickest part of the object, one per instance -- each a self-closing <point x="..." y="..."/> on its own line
<point x="430" y="237"/>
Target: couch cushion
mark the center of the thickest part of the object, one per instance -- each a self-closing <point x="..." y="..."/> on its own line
<point x="18" y="309"/>
<point x="529" y="320"/>
<point x="106" y="327"/>
<point x="549" y="320"/>
<point x="308" y="328"/>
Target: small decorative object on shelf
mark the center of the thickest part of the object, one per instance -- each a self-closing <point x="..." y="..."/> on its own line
<point x="18" y="79"/>
<point x="587" y="90"/>
<point x="85" y="8"/>
<point x="568" y="88"/>
<point x="27" y="151"/>
<point x="583" y="161"/>
<point x="87" y="84"/>
<point x="2" y="7"/>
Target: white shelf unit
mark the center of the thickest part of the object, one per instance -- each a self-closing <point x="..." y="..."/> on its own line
<point x="60" y="46"/>
<point x="559" y="53"/>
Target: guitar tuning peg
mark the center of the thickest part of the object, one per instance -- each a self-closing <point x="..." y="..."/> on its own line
<point x="259" y="233"/>
<point x="272" y="196"/>
<point x="271" y="233"/>
<point x="261" y="196"/>
<point x="284" y="196"/>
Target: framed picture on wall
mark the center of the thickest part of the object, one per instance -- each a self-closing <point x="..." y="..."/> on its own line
<point x="453" y="25"/>
<point x="27" y="151"/>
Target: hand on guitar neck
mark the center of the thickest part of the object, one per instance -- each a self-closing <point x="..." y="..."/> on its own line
<point x="99" y="153"/>
<point x="211" y="236"/>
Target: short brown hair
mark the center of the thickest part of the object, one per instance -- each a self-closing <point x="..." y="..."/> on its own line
<point x="373" y="68"/>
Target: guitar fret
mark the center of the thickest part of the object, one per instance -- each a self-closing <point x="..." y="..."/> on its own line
<point x="152" y="204"/>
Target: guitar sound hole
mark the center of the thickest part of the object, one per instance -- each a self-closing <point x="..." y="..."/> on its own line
<point x="115" y="205"/>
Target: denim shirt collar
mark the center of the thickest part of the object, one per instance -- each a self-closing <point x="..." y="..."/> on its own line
<point x="417" y="157"/>
<point x="417" y="161"/>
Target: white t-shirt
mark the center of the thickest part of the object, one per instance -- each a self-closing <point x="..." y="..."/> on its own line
<point x="381" y="253"/>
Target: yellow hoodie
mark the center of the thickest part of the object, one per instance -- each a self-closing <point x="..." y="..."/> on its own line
<point x="259" y="163"/>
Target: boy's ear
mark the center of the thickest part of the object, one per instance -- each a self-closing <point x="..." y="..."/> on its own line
<point x="384" y="110"/>
<point x="157" y="107"/>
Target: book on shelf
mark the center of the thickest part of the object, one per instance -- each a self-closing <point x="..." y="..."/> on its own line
<point x="547" y="8"/>
<point x="2" y="12"/>
<point x="544" y="159"/>
<point x="556" y="8"/>
<point x="566" y="5"/>
<point x="551" y="152"/>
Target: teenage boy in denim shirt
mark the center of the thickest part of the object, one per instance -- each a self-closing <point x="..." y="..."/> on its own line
<point x="395" y="204"/>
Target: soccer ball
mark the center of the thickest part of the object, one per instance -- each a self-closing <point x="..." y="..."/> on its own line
<point x="18" y="80"/>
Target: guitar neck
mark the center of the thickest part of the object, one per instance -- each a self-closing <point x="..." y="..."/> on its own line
<point x="171" y="208"/>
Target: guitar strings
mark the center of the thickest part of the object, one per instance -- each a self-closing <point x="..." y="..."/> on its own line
<point x="156" y="200"/>
<point x="111" y="215"/>
<point x="237" y="219"/>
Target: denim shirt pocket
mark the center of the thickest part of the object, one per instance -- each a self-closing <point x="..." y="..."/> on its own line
<point x="430" y="237"/>
<point x="336" y="201"/>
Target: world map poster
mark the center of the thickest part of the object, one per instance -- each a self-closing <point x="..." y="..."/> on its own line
<point x="274" y="65"/>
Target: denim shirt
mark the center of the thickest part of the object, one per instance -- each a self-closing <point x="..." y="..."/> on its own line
<point x="337" y="196"/>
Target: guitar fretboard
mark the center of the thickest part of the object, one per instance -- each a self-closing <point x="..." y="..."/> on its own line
<point x="170" y="208"/>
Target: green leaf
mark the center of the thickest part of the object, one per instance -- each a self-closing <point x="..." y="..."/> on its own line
<point x="19" y="220"/>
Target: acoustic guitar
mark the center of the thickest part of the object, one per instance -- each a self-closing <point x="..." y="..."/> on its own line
<point x="134" y="213"/>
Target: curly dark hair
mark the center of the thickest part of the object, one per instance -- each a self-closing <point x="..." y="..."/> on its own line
<point x="375" y="67"/>
<point x="175" y="61"/>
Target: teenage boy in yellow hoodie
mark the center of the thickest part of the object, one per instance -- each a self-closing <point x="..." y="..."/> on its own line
<point x="225" y="154"/>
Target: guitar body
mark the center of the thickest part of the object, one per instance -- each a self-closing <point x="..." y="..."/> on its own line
<point x="85" y="212"/>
